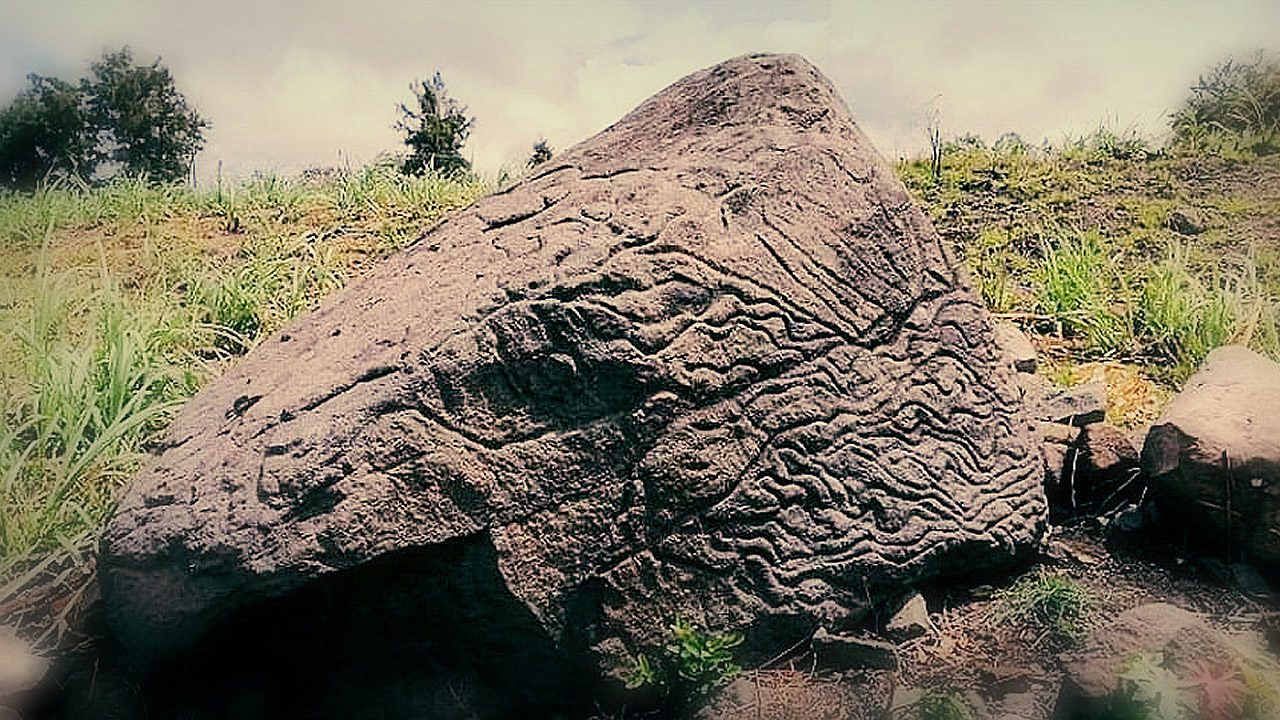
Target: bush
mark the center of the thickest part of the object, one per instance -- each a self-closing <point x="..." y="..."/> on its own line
<point x="139" y="121"/>
<point x="44" y="133"/>
<point x="435" y="130"/>
<point x="1183" y="317"/>
<point x="127" y="119"/>
<point x="1236" y="105"/>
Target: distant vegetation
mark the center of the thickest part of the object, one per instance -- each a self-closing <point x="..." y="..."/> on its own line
<point x="1122" y="249"/>
<point x="118" y="302"/>
<point x="1234" y="107"/>
<point x="435" y="130"/>
<point x="124" y="119"/>
<point x="130" y="120"/>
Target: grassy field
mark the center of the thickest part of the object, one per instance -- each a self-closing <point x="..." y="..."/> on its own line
<point x="1121" y="259"/>
<point x="118" y="302"/>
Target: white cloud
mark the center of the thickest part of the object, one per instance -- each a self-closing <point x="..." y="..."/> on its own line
<point x="290" y="84"/>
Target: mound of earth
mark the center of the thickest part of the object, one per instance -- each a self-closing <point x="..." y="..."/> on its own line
<point x="710" y="363"/>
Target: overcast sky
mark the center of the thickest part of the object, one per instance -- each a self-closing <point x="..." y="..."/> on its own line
<point x="289" y="85"/>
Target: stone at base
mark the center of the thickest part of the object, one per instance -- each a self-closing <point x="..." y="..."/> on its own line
<point x="839" y="652"/>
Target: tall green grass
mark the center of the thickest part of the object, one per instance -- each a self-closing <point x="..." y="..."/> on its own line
<point x="119" y="302"/>
<point x="1076" y="240"/>
<point x="1163" y="312"/>
<point x="1077" y="287"/>
<point x="1184" y="316"/>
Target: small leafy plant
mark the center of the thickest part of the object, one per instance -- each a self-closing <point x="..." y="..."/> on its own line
<point x="1153" y="686"/>
<point x="691" y="665"/>
<point x="942" y="705"/>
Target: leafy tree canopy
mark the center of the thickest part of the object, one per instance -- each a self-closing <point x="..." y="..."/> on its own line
<point x="43" y="133"/>
<point x="434" y="130"/>
<point x="123" y="119"/>
<point x="140" y="121"/>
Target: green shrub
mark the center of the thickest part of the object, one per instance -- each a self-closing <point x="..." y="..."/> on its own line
<point x="693" y="664"/>
<point x="1183" y="317"/>
<point x="1234" y="107"/>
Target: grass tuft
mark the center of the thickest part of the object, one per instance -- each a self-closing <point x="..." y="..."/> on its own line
<point x="1049" y="604"/>
<point x="1075" y="287"/>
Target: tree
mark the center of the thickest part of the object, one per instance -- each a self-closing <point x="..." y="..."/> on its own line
<point x="435" y="131"/>
<point x="541" y="153"/>
<point x="140" y="122"/>
<point x="44" y="133"/>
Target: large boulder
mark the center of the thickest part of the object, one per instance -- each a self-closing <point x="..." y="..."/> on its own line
<point x="1214" y="455"/>
<point x="711" y="362"/>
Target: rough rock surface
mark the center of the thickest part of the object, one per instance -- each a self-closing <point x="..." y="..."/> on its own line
<point x="1214" y="454"/>
<point x="1077" y="405"/>
<point x="710" y="362"/>
<point x="1017" y="346"/>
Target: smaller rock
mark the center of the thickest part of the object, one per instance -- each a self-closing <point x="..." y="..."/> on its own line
<point x="1093" y="670"/>
<point x="1078" y="405"/>
<point x="911" y="620"/>
<point x="1251" y="582"/>
<point x="1106" y="451"/>
<point x="1056" y="446"/>
<point x="1214" y="456"/>
<point x="839" y="652"/>
<point x="1098" y="474"/>
<point x="1184" y="224"/>
<point x="1016" y="346"/>
<point x="1057" y="434"/>
<point x="21" y="669"/>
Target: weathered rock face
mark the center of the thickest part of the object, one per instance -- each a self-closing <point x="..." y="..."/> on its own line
<point x="710" y="362"/>
<point x="1214" y="454"/>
